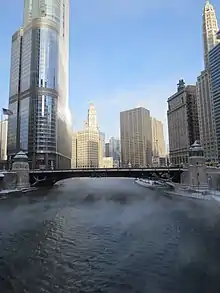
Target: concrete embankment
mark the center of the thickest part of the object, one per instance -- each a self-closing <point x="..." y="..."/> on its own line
<point x="8" y="180"/>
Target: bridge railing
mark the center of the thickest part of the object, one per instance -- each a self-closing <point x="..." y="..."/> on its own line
<point x="153" y="169"/>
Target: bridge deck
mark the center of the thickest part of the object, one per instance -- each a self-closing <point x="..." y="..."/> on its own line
<point x="99" y="170"/>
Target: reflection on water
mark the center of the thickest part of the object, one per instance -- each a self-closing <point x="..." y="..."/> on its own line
<point x="108" y="235"/>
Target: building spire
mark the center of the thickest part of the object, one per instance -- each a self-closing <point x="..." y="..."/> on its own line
<point x="92" y="118"/>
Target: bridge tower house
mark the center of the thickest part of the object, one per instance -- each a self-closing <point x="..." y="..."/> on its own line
<point x="197" y="170"/>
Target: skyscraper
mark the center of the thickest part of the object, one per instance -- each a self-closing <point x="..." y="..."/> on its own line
<point x="204" y="94"/>
<point x="158" y="142"/>
<point x="206" y="116"/>
<point x="214" y="67"/>
<point x="183" y="124"/>
<point x="39" y="85"/>
<point x="210" y="29"/>
<point x="136" y="137"/>
<point x="3" y="140"/>
<point x="90" y="143"/>
<point x="115" y="149"/>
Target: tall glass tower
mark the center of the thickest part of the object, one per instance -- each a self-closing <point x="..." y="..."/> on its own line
<point x="39" y="86"/>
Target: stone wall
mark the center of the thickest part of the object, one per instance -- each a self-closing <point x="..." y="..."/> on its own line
<point x="9" y="181"/>
<point x="214" y="180"/>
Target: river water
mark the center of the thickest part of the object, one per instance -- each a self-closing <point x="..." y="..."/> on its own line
<point x="108" y="235"/>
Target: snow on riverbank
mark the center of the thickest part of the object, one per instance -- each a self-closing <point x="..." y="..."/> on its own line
<point x="195" y="194"/>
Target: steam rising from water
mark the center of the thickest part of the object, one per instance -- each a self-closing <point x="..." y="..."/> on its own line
<point x="108" y="235"/>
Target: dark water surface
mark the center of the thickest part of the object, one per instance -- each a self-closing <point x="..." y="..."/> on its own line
<point x="108" y="235"/>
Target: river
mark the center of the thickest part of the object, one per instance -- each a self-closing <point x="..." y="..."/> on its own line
<point x="108" y="235"/>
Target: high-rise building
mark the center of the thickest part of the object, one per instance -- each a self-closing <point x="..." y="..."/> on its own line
<point x="102" y="138"/>
<point x="74" y="151"/>
<point x="107" y="153"/>
<point x="214" y="67"/>
<point x="210" y="29"/>
<point x="3" y="139"/>
<point x="115" y="149"/>
<point x="39" y="85"/>
<point x="204" y="95"/>
<point x="158" y="142"/>
<point x="90" y="143"/>
<point x="88" y="155"/>
<point x="183" y="125"/>
<point x="206" y="116"/>
<point x="136" y="137"/>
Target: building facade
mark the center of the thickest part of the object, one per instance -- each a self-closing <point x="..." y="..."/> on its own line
<point x="88" y="155"/>
<point x="74" y="151"/>
<point x="90" y="143"/>
<point x="214" y="66"/>
<point x="3" y="139"/>
<point x="206" y="116"/>
<point x="158" y="142"/>
<point x="115" y="150"/>
<point x="210" y="29"/>
<point x="107" y="162"/>
<point x="102" y="138"/>
<point x="136" y="138"/>
<point x="204" y="94"/>
<point x="183" y="124"/>
<point x="39" y="86"/>
<point x="107" y="152"/>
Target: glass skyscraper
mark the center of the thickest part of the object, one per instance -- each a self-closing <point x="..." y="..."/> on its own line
<point x="39" y="86"/>
<point x="214" y="65"/>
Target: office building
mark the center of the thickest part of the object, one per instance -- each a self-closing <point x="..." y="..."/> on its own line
<point x="3" y="139"/>
<point x="107" y="162"/>
<point x="214" y="66"/>
<point x="74" y="151"/>
<point x="90" y="143"/>
<point x="136" y="138"/>
<point x="102" y="138"/>
<point x="39" y="86"/>
<point x="158" y="142"/>
<point x="210" y="29"/>
<point x="88" y="155"/>
<point x="115" y="150"/>
<point x="183" y="125"/>
<point x="107" y="152"/>
<point x="206" y="116"/>
<point x="204" y="95"/>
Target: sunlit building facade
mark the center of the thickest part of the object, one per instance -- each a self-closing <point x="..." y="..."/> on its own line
<point x="3" y="139"/>
<point x="203" y="88"/>
<point x="210" y="29"/>
<point x="183" y="124"/>
<point x="107" y="162"/>
<point x="74" y="151"/>
<point x="88" y="155"/>
<point x="41" y="123"/>
<point x="90" y="143"/>
<point x="158" y="141"/>
<point x="136" y="138"/>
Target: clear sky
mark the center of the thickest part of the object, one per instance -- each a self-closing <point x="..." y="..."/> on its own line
<point x="123" y="54"/>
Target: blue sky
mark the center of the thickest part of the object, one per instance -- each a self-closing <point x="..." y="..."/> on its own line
<point x="123" y="54"/>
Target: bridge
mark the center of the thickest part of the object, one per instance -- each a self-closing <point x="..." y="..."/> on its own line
<point x="50" y="177"/>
